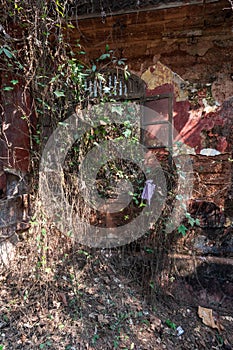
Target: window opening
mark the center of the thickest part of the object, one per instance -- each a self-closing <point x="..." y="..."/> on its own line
<point x="157" y="122"/>
<point x="156" y="119"/>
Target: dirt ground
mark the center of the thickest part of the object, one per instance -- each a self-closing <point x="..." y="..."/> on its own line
<point x="86" y="299"/>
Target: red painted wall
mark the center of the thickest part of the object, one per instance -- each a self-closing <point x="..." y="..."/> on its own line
<point x="198" y="128"/>
<point x="17" y="121"/>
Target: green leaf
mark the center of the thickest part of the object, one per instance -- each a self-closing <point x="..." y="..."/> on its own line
<point x="197" y="222"/>
<point x="117" y="108"/>
<point x="107" y="47"/>
<point x="43" y="231"/>
<point x="8" y="88"/>
<point x="121" y="61"/>
<point x="71" y="26"/>
<point x="104" y="56"/>
<point x="100" y="77"/>
<point x="182" y="229"/>
<point x="127" y="133"/>
<point x="19" y="65"/>
<point x="7" y="52"/>
<point x="148" y="250"/>
<point x="126" y="72"/>
<point x="54" y="79"/>
<point x="95" y="338"/>
<point x="170" y="324"/>
<point x="220" y="339"/>
<point x="152" y="285"/>
<point x="59" y="93"/>
<point x="63" y="123"/>
<point x="14" y="82"/>
<point x="107" y="89"/>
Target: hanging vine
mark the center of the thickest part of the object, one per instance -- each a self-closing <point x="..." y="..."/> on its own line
<point x="36" y="52"/>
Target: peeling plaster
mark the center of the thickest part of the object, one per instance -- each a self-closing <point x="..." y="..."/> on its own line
<point x="222" y="88"/>
<point x="196" y="47"/>
<point x="198" y="118"/>
<point x="159" y="74"/>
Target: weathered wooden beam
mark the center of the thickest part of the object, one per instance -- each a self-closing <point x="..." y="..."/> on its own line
<point x="161" y="5"/>
<point x="207" y="259"/>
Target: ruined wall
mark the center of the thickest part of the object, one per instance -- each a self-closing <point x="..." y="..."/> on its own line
<point x="189" y="47"/>
<point x="16" y="122"/>
<point x="186" y="50"/>
<point x="195" y="41"/>
<point x="199" y="119"/>
<point x="16" y="125"/>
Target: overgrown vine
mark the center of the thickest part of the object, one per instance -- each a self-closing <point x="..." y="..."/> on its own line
<point x="36" y="56"/>
<point x="35" y="52"/>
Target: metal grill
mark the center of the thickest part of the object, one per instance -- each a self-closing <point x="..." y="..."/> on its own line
<point x="116" y="85"/>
